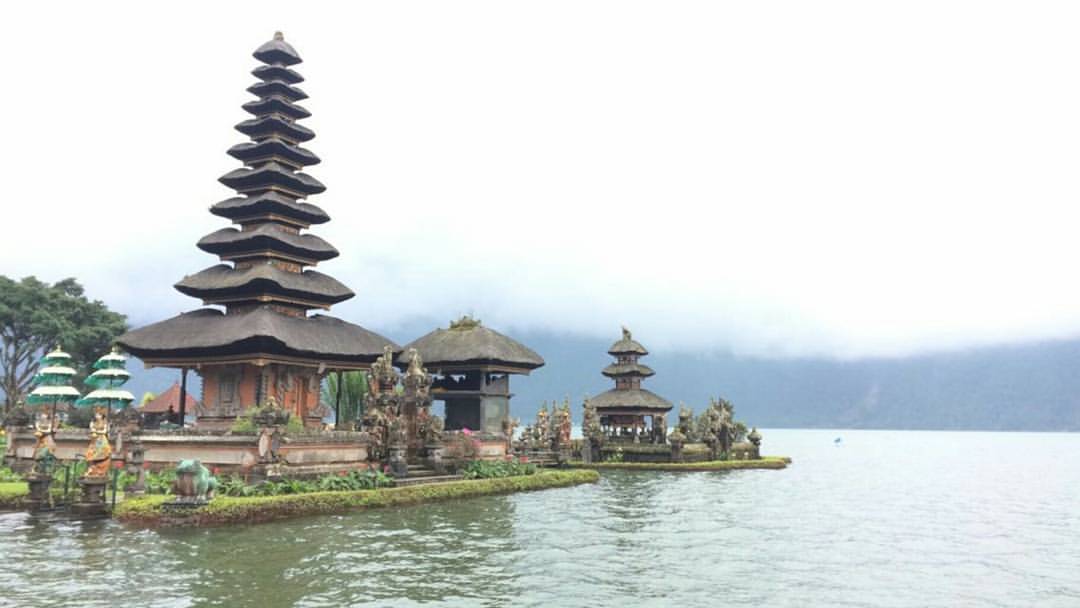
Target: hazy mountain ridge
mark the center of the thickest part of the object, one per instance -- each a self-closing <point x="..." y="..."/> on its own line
<point x="1032" y="387"/>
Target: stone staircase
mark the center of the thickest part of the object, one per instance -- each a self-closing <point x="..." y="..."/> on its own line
<point x="543" y="458"/>
<point x="421" y="474"/>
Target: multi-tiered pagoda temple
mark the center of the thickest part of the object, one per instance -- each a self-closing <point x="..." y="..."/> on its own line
<point x="629" y="411"/>
<point x="264" y="343"/>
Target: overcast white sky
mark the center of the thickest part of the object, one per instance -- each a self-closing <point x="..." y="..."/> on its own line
<point x="772" y="178"/>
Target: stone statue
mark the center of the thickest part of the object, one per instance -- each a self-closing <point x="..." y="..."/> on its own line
<point x="396" y="425"/>
<point x="590" y="422"/>
<point x="99" y="451"/>
<point x="659" y="428"/>
<point x="564" y="426"/>
<point x="754" y="437"/>
<point x="725" y="425"/>
<point x="383" y="377"/>
<point x="45" y="448"/>
<point x="434" y="430"/>
<point x="508" y="426"/>
<point x="542" y="427"/>
<point x="193" y="484"/>
<point x="686" y="423"/>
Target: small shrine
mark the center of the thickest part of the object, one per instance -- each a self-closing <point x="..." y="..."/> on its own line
<point x="628" y="412"/>
<point x="261" y="341"/>
<point x="472" y="365"/>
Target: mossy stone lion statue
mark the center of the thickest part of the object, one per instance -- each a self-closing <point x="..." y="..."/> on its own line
<point x="193" y="482"/>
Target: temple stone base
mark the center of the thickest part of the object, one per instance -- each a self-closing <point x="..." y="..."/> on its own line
<point x="39" y="492"/>
<point x="690" y="452"/>
<point x="91" y="502"/>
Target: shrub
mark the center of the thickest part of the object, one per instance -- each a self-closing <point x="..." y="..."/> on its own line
<point x="485" y="469"/>
<point x="9" y="476"/>
<point x="245" y="423"/>
<point x="342" y="482"/>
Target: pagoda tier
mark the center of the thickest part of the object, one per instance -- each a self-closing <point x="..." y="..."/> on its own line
<point x="264" y="345"/>
<point x="223" y="284"/>
<point x="273" y="149"/>
<point x="268" y="73"/>
<point x="270" y="207"/>
<point x="625" y="370"/>
<point x="276" y="105"/>
<point x="271" y="176"/>
<point x="260" y="334"/>
<point x="267" y="241"/>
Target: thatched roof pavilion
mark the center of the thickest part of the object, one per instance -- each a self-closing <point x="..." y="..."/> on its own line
<point x="472" y="364"/>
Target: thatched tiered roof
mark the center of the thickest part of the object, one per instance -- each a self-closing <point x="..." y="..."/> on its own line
<point x="628" y="397"/>
<point x="467" y="344"/>
<point x="263" y="283"/>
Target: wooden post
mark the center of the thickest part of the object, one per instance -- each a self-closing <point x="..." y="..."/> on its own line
<point x="337" y="402"/>
<point x="183" y="396"/>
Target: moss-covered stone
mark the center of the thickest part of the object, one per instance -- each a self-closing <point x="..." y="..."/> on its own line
<point x="767" y="462"/>
<point x="12" y="493"/>
<point x="233" y="510"/>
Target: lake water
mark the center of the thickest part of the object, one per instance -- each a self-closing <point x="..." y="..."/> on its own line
<point x="885" y="519"/>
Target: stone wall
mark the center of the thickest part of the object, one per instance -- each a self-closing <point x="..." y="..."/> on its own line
<point x="300" y="455"/>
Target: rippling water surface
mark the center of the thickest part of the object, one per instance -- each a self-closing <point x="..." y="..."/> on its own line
<point x="886" y="519"/>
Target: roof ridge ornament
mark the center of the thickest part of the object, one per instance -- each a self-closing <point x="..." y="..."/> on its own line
<point x="626" y="333"/>
<point x="278" y="35"/>
<point x="465" y="322"/>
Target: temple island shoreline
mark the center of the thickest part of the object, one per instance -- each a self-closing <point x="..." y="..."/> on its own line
<point x="765" y="462"/>
<point x="269" y="356"/>
<point x="153" y="511"/>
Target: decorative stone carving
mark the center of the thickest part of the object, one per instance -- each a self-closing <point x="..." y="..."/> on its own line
<point x="136" y="458"/>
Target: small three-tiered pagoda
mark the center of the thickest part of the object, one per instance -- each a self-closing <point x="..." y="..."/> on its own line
<point x="629" y="412"/>
<point x="263" y="342"/>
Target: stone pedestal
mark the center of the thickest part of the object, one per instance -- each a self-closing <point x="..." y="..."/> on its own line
<point x="92" y="499"/>
<point x="39" y="492"/>
<point x="676" y="450"/>
<point x="135" y="461"/>
<point x="562" y="455"/>
<point x="399" y="466"/>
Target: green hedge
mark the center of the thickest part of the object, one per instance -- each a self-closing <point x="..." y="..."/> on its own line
<point x="233" y="510"/>
<point x="767" y="462"/>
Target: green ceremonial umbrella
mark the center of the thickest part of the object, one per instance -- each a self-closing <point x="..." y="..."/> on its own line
<point x="53" y="381"/>
<point x="109" y="376"/>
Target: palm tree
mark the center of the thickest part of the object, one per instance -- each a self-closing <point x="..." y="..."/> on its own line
<point x="353" y="389"/>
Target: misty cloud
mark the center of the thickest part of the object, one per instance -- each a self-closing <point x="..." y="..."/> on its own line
<point x="832" y="179"/>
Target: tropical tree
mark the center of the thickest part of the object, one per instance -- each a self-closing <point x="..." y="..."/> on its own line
<point x="353" y="388"/>
<point x="35" y="316"/>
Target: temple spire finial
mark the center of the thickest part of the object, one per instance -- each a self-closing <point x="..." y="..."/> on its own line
<point x="278" y="35"/>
